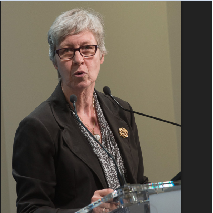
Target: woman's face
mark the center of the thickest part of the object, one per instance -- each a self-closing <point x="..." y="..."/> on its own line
<point x="79" y="72"/>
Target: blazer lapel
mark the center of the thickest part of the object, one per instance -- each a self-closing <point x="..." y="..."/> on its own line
<point x="72" y="134"/>
<point x="79" y="145"/>
<point x="130" y="156"/>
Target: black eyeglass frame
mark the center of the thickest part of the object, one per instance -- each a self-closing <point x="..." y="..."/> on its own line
<point x="77" y="49"/>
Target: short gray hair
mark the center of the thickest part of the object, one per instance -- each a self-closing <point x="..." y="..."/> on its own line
<point x="73" y="22"/>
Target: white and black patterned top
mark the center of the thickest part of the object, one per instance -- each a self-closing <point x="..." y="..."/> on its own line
<point x="109" y="143"/>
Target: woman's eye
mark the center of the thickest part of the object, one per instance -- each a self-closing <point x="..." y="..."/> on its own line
<point x="86" y="47"/>
<point x="68" y="50"/>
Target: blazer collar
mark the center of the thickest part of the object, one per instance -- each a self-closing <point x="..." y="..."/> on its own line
<point x="79" y="145"/>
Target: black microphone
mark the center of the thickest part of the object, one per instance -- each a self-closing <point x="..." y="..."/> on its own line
<point x="120" y="176"/>
<point x="73" y="99"/>
<point x="107" y="91"/>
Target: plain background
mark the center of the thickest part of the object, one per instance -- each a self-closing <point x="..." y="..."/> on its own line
<point x="143" y="67"/>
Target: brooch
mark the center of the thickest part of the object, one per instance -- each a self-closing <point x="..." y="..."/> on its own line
<point x="123" y="132"/>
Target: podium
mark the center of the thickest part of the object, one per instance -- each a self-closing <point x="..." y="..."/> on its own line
<point x="161" y="197"/>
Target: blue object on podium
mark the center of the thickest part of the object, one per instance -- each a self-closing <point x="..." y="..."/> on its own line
<point x="161" y="197"/>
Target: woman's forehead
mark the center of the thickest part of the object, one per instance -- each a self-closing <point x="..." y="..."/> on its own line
<point x="82" y="38"/>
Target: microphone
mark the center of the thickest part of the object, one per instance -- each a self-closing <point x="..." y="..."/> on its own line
<point x="73" y="99"/>
<point x="107" y="91"/>
<point x="120" y="176"/>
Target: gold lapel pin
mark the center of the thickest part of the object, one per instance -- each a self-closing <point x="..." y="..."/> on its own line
<point x="123" y="132"/>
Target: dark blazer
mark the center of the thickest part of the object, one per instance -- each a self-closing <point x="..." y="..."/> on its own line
<point x="54" y="166"/>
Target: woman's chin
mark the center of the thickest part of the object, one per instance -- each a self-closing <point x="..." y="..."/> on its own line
<point x="83" y="85"/>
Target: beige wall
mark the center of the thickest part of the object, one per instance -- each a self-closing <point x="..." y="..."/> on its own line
<point x="143" y="67"/>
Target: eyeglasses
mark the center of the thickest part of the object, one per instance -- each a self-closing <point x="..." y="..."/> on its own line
<point x="86" y="51"/>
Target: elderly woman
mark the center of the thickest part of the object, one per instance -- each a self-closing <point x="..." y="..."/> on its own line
<point x="57" y="165"/>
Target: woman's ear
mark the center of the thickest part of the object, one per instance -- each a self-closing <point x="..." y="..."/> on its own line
<point x="55" y="64"/>
<point x="102" y="59"/>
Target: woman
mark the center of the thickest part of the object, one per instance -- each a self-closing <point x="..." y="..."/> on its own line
<point x="57" y="165"/>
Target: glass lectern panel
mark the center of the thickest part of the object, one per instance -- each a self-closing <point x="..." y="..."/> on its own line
<point x="161" y="197"/>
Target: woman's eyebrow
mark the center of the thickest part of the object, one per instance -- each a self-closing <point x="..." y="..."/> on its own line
<point x="72" y="46"/>
<point x="86" y="43"/>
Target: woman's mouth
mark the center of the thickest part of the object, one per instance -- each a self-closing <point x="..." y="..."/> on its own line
<point x="79" y="74"/>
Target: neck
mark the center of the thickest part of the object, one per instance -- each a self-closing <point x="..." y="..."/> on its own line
<point x="84" y="103"/>
<point x="85" y="109"/>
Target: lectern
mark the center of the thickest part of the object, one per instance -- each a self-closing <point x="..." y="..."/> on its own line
<point x="161" y="197"/>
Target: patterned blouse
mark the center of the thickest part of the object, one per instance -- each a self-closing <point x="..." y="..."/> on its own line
<point x="109" y="143"/>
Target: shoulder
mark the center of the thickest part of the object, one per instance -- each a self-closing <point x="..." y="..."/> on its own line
<point x="41" y="113"/>
<point x="44" y="113"/>
<point x="39" y="121"/>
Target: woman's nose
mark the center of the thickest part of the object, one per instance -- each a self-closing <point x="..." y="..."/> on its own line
<point x="78" y="58"/>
